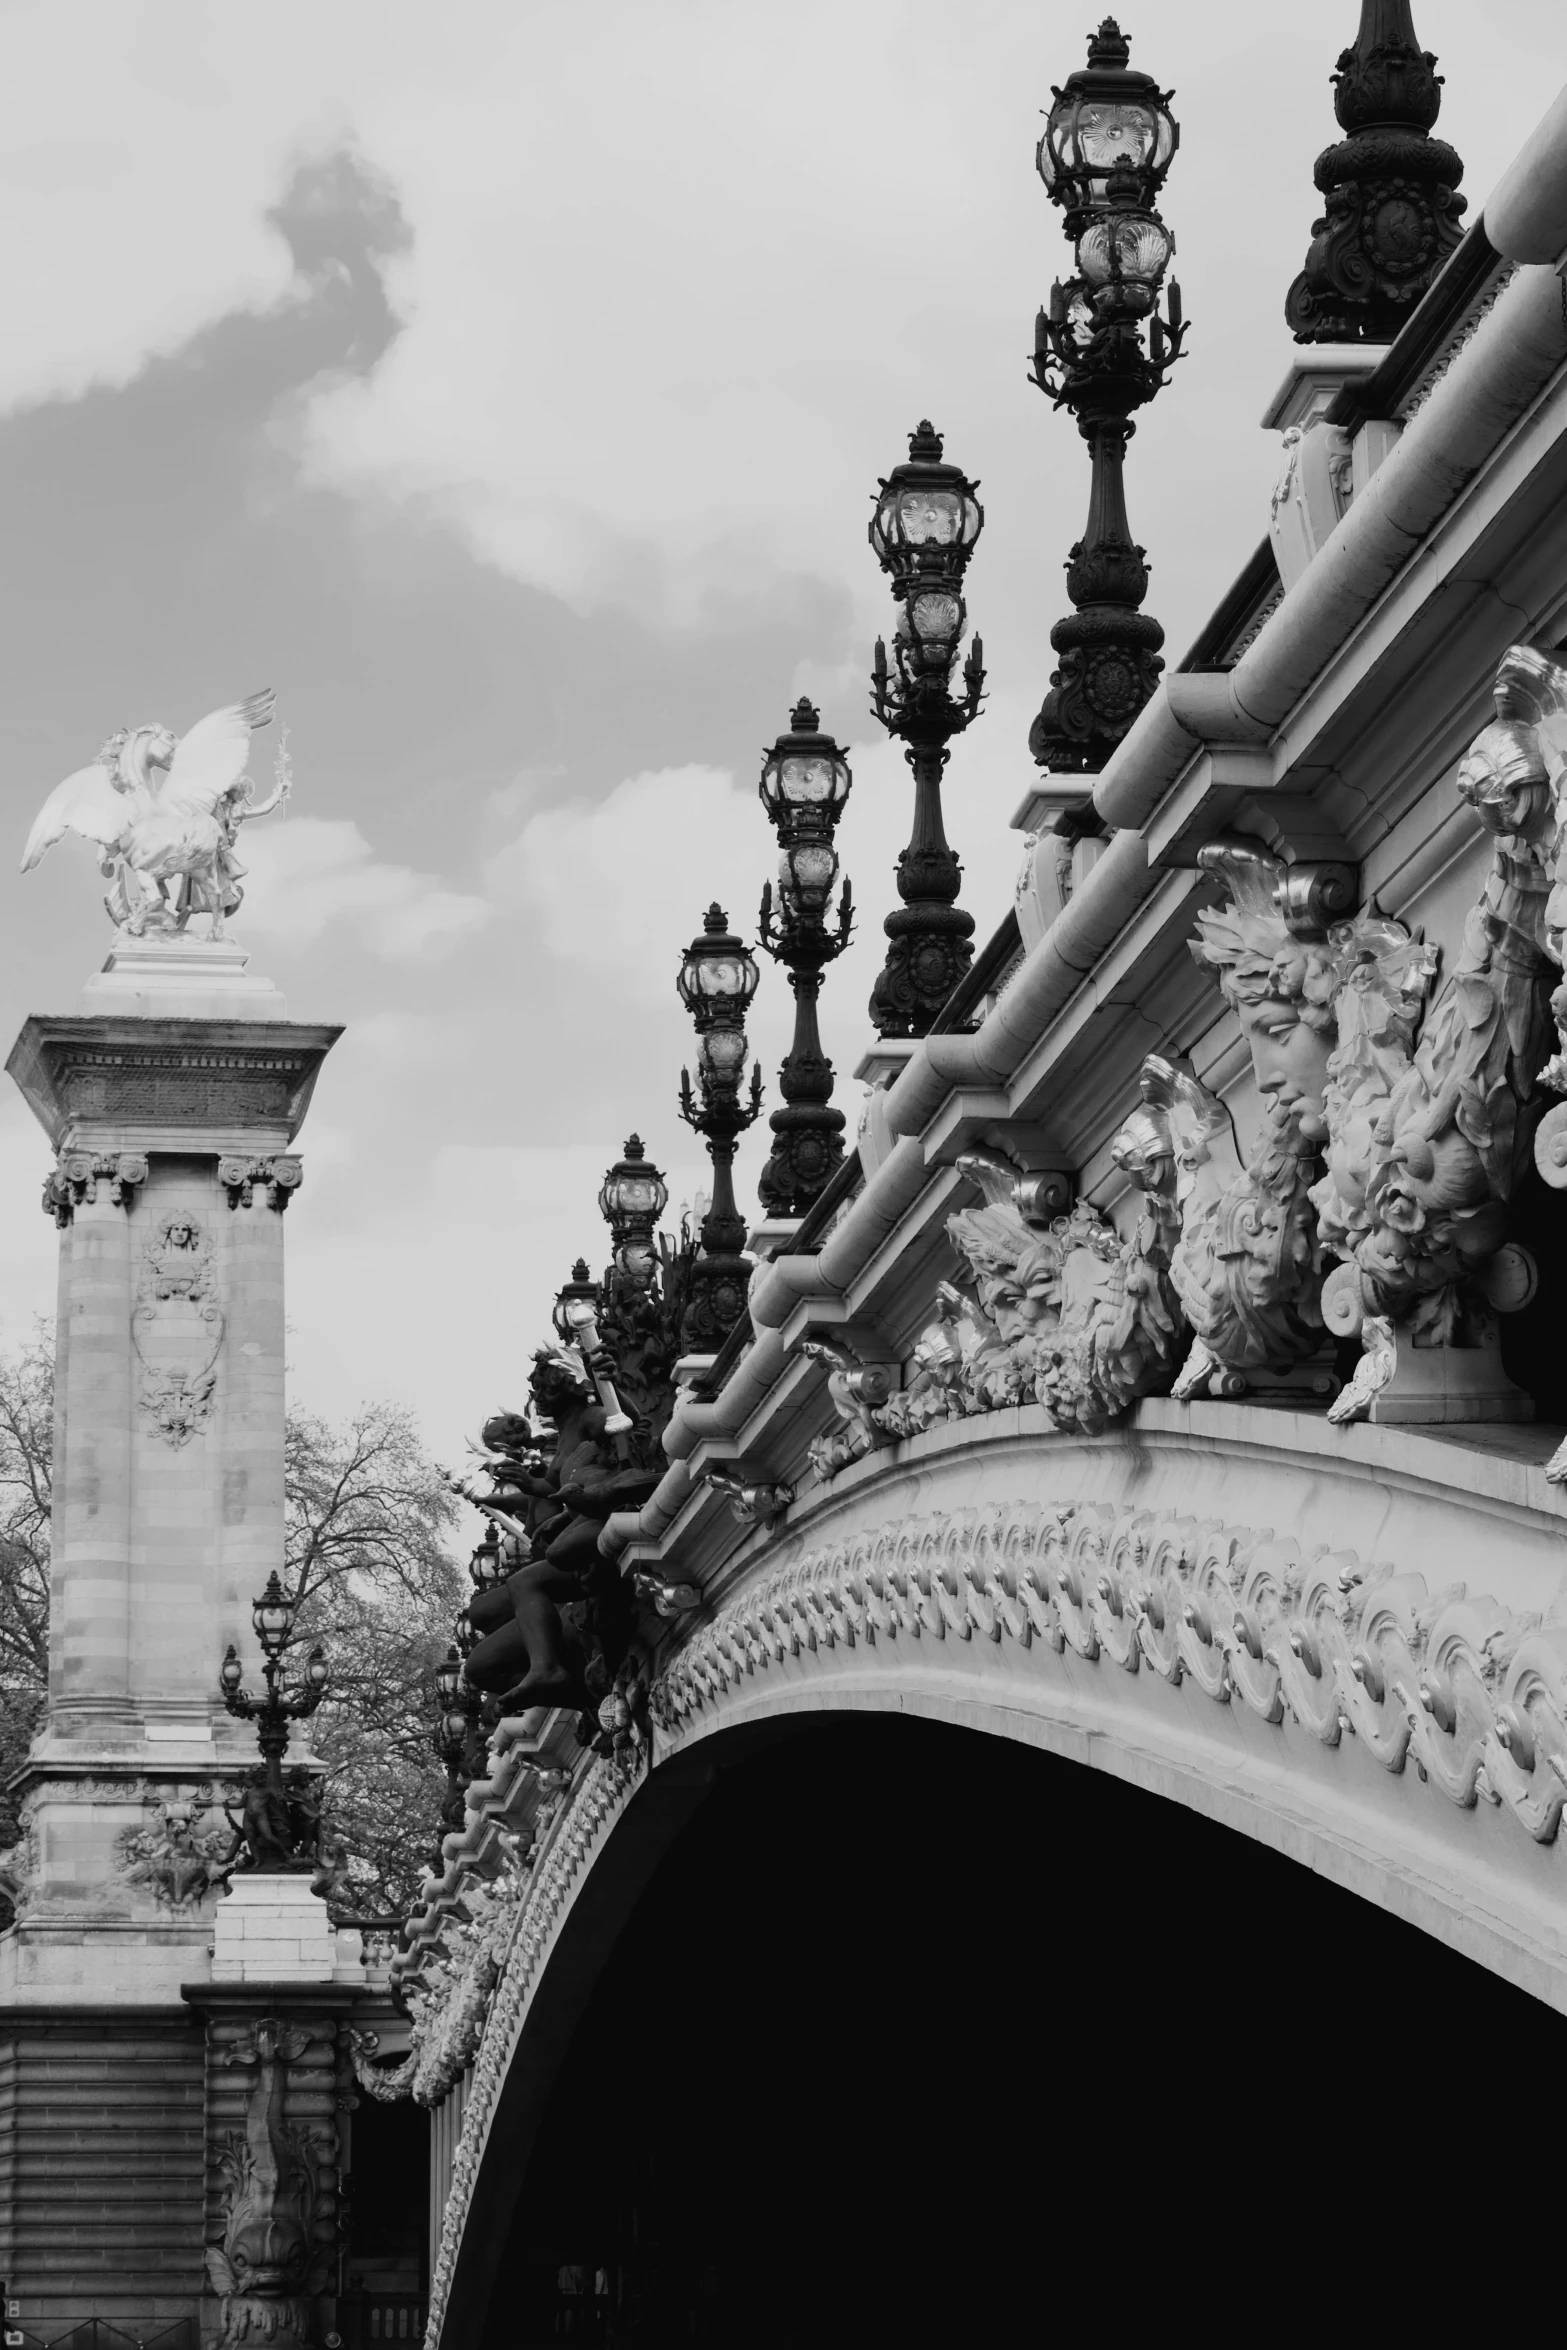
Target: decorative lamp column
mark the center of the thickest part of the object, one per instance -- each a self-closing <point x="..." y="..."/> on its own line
<point x="280" y="1833"/>
<point x="926" y="521"/>
<point x="1103" y="349"/>
<point x="717" y="979"/>
<point x="805" y="783"/>
<point x="579" y="1293"/>
<point x="632" y="1198"/>
<point x="460" y="1736"/>
<point x="1392" y="216"/>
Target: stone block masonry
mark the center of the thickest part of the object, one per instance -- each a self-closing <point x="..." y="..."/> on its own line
<point x="102" y="2165"/>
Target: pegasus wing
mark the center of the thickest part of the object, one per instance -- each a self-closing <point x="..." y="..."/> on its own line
<point x="211" y="758"/>
<point x="85" y="802"/>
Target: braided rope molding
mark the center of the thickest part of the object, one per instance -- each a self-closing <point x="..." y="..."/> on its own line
<point x="1473" y="1694"/>
<point x="596" y="1801"/>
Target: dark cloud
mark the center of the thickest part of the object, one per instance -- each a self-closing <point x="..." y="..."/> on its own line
<point x="173" y="557"/>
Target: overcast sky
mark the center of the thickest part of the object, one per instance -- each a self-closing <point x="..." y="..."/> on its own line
<point x="505" y="383"/>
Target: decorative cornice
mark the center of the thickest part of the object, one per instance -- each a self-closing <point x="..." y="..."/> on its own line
<point x="87" y="1071"/>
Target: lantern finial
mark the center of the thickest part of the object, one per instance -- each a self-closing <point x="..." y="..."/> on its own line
<point x="1392" y="214"/>
<point x="1109" y="46"/>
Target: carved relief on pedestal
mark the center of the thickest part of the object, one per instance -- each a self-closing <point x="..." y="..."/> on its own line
<point x="174" y="1855"/>
<point x="275" y="1178"/>
<point x="19" y="1864"/>
<point x="78" y="1175"/>
<point x="279" y="2201"/>
<point x="177" y="1327"/>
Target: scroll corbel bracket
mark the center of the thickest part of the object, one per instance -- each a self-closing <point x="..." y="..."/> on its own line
<point x="1039" y="1194"/>
<point x="754" y="1503"/>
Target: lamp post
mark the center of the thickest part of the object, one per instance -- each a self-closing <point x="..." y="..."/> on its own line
<point x="923" y="530"/>
<point x="717" y="979"/>
<point x="576" y="1317"/>
<point x="274" y="1829"/>
<point x="1103" y="349"/>
<point x="632" y="1197"/>
<point x="805" y="783"/>
<point x="461" y="1714"/>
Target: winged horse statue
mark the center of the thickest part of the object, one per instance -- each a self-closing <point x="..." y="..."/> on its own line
<point x="162" y="808"/>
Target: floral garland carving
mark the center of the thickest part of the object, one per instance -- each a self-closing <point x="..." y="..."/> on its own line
<point x="1474" y="1695"/>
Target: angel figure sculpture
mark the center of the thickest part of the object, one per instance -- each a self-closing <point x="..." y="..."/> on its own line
<point x="161" y="808"/>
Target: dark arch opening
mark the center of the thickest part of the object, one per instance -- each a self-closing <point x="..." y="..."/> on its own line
<point x="916" y="2033"/>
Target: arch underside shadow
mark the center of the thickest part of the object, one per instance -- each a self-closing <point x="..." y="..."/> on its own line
<point x="1325" y="1708"/>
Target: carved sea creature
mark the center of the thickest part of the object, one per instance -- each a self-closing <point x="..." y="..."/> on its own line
<point x="279" y="2200"/>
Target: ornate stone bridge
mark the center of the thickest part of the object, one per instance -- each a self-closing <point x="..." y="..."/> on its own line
<point x="1171" y="1381"/>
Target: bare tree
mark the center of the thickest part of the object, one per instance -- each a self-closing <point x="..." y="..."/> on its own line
<point x="26" y="1453"/>
<point x="367" y="1559"/>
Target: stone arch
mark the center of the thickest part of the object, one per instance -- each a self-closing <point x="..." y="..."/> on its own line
<point x="1331" y="1710"/>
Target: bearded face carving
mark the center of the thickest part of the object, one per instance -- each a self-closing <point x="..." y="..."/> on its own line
<point x="1247" y="1269"/>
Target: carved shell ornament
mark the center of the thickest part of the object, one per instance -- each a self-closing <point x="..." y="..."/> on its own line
<point x="177" y="1328"/>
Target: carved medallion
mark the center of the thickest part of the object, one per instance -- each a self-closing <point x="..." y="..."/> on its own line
<point x="177" y="1328"/>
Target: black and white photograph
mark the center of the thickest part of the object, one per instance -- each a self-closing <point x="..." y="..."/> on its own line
<point x="783" y="1203"/>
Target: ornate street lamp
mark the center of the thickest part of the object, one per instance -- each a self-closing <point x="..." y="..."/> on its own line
<point x="1392" y="216"/>
<point x="1103" y="349"/>
<point x="486" y="1566"/>
<point x="279" y="1833"/>
<point x="632" y="1198"/>
<point x="926" y="521"/>
<point x="576" y="1317"/>
<point x="805" y="782"/>
<point x="717" y="979"/>
<point x="574" y="1300"/>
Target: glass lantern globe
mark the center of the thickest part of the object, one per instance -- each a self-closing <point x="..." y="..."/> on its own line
<point x="927" y="515"/>
<point x="455" y="1726"/>
<point x="720" y="1055"/>
<point x="633" y="1195"/>
<point x="317" y="1671"/>
<point x="271" y="1615"/>
<point x="937" y="620"/>
<point x="717" y="976"/>
<point x="805" y="777"/>
<point x="1124" y="256"/>
<point x="231" y="1672"/>
<point x="1109" y="136"/>
<point x="807" y="872"/>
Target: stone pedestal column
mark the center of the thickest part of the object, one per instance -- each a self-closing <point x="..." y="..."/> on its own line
<point x="171" y="1103"/>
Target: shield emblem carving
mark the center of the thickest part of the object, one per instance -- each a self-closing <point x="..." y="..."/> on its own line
<point x="177" y="1327"/>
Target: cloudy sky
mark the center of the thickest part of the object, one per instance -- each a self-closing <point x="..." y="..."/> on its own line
<point x="505" y="382"/>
